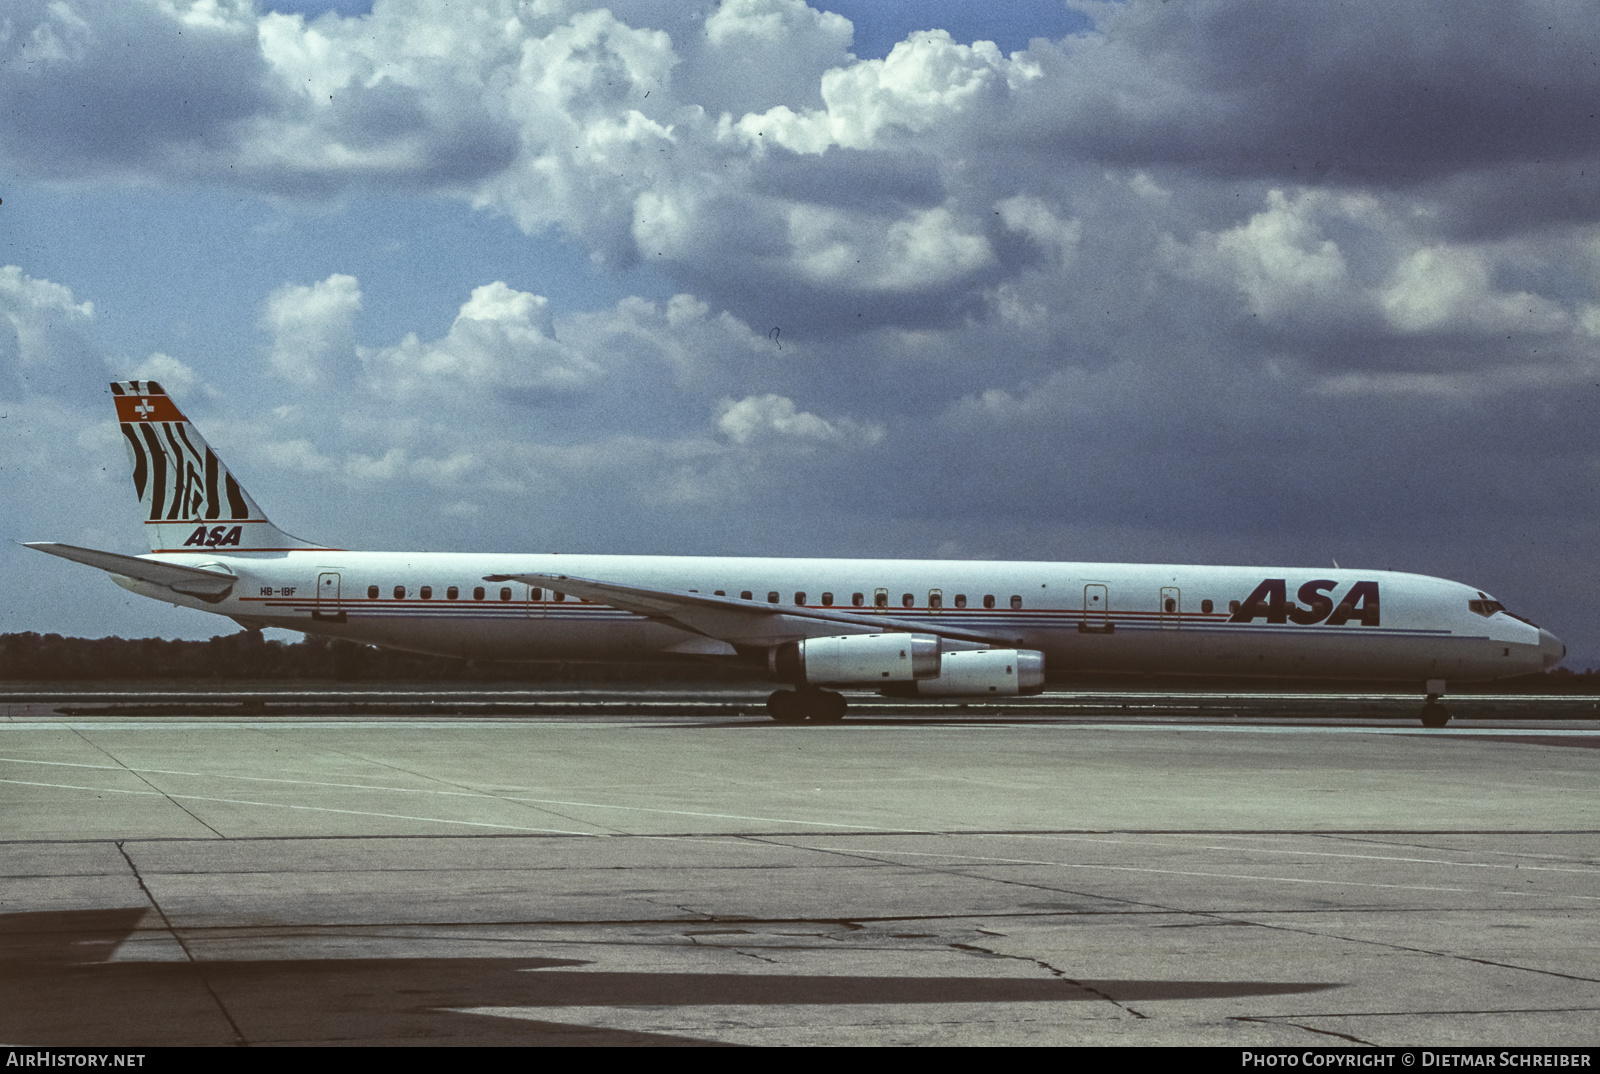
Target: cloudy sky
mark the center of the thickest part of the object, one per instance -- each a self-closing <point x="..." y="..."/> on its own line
<point x="1197" y="281"/>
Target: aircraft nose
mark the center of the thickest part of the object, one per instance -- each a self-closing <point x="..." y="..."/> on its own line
<point x="1551" y="651"/>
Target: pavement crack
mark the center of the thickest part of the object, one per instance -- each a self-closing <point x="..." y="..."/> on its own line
<point x="1308" y="1029"/>
<point x="140" y="776"/>
<point x="700" y="917"/>
<point x="952" y="870"/>
<point x="1232" y="919"/>
<point x="752" y="954"/>
<point x="1416" y="950"/>
<point x="1054" y="971"/>
<point x="238" y="1035"/>
<point x="1210" y="916"/>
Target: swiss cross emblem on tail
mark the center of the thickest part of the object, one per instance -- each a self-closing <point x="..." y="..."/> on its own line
<point x="189" y="498"/>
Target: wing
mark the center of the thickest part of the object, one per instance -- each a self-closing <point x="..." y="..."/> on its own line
<point x="744" y="622"/>
<point x="193" y="580"/>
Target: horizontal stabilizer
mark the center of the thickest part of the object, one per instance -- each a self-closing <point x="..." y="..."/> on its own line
<point x="736" y="620"/>
<point x="193" y="580"/>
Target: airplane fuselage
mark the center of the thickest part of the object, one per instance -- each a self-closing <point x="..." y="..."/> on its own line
<point x="1084" y="617"/>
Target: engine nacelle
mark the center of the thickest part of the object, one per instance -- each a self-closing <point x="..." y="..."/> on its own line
<point x="857" y="658"/>
<point x="981" y="673"/>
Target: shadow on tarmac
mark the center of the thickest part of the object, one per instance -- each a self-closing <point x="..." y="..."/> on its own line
<point x="57" y="986"/>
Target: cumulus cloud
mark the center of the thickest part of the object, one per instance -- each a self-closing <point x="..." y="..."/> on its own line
<point x="44" y="338"/>
<point x="1451" y="288"/>
<point x="1385" y="290"/>
<point x="128" y="88"/>
<point x="1036" y="219"/>
<point x="1280" y="260"/>
<point x="502" y="342"/>
<point x="758" y="54"/>
<point x="310" y="326"/>
<point x="675" y="137"/>
<point x="926" y="81"/>
<point x="682" y="344"/>
<point x="770" y="416"/>
<point x="178" y="378"/>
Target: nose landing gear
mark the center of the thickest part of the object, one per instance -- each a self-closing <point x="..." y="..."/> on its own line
<point x="1433" y="713"/>
<point x="797" y="706"/>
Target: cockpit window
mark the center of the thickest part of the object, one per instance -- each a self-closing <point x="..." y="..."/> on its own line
<point x="1486" y="608"/>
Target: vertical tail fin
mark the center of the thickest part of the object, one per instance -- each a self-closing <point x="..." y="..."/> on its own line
<point x="190" y="500"/>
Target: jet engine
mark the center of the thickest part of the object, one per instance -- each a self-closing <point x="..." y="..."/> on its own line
<point x="980" y="673"/>
<point x="857" y="658"/>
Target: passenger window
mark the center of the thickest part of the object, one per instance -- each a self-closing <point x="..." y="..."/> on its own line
<point x="1170" y="604"/>
<point x="477" y="592"/>
<point x="505" y="592"/>
<point x="746" y="595"/>
<point x="935" y="599"/>
<point x="1205" y="607"/>
<point x="426" y="593"/>
<point x="961" y="600"/>
<point x="1233" y="605"/>
<point x="372" y="592"/>
<point x="452" y="593"/>
<point x="827" y="600"/>
<point x="880" y="598"/>
<point x="535" y="593"/>
<point x="988" y="600"/>
<point x="558" y="597"/>
<point x="907" y="600"/>
<point x="800" y="599"/>
<point x="1016" y="602"/>
<point x="772" y="597"/>
<point x="721" y="593"/>
<point x="399" y="592"/>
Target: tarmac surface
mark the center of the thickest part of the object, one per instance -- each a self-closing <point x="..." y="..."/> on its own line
<point x="656" y="868"/>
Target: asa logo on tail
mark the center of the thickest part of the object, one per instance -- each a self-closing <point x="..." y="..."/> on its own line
<point x="1270" y="601"/>
<point x="215" y="537"/>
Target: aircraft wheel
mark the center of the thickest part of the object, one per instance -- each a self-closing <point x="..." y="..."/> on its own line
<point x="827" y="707"/>
<point x="1434" y="715"/>
<point x="784" y="706"/>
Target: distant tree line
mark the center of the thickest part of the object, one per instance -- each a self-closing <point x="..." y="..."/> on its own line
<point x="249" y="656"/>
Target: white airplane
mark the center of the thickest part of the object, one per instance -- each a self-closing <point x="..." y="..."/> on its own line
<point x="922" y="628"/>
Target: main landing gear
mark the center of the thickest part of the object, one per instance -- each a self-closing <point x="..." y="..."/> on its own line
<point x="796" y="706"/>
<point x="1433" y="713"/>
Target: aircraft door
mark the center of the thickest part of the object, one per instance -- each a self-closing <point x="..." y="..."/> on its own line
<point x="1096" y="609"/>
<point x="1171" y="607"/>
<point x="533" y="601"/>
<point x="327" y="607"/>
